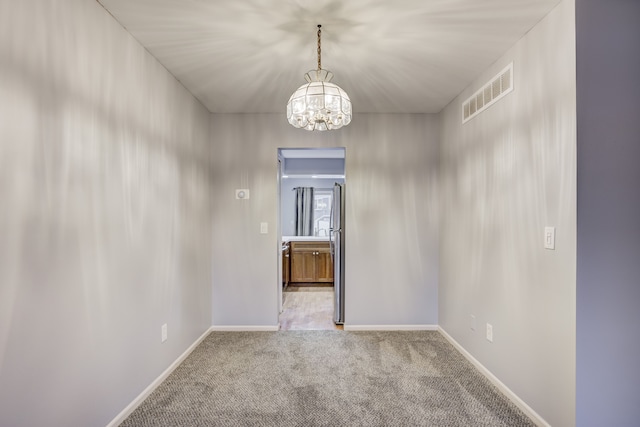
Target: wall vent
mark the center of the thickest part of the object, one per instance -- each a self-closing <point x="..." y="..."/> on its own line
<point x="499" y="86"/>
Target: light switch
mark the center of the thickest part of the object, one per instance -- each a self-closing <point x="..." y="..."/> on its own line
<point x="550" y="238"/>
<point x="264" y="228"/>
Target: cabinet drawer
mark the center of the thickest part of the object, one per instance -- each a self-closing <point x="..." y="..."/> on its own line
<point x="310" y="246"/>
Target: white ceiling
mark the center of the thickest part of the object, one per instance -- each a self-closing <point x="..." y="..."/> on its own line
<point x="400" y="56"/>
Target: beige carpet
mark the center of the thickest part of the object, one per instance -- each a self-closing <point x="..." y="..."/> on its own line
<point x="326" y="378"/>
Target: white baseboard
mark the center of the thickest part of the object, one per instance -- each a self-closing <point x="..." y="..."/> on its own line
<point x="390" y="327"/>
<point x="535" y="417"/>
<point x="147" y="391"/>
<point x="240" y="328"/>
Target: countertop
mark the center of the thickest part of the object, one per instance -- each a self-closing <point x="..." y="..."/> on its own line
<point x="305" y="239"/>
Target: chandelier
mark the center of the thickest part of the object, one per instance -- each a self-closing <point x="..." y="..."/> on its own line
<point x="319" y="104"/>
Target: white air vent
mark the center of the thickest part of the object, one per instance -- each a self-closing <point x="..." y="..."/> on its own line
<point x="490" y="93"/>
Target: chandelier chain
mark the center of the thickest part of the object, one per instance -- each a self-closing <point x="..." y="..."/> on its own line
<point x="319" y="49"/>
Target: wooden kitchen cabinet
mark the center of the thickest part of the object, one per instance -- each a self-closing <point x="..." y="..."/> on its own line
<point x="311" y="262"/>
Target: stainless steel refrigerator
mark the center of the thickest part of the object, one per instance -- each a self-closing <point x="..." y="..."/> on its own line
<point x="337" y="251"/>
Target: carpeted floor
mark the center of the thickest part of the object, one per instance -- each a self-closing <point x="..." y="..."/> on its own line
<point x="326" y="378"/>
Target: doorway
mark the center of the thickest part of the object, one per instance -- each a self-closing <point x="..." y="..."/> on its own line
<point x="311" y="239"/>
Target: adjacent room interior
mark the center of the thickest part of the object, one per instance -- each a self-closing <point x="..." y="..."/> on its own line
<point x="311" y="222"/>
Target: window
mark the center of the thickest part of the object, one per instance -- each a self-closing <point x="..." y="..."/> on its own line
<point x="322" y="212"/>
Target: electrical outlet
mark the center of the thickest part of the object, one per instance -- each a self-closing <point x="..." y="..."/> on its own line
<point x="163" y="332"/>
<point x="489" y="332"/>
<point x="473" y="322"/>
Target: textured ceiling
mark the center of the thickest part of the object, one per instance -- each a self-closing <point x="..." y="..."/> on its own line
<point x="400" y="56"/>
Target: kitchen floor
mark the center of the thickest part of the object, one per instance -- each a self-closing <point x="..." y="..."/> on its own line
<point x="307" y="308"/>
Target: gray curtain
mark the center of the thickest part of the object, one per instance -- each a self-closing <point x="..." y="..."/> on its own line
<point x="304" y="211"/>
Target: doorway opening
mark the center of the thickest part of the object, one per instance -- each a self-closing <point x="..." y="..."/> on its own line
<point x="311" y="238"/>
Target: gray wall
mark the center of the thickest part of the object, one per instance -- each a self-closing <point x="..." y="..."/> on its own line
<point x="507" y="174"/>
<point x="608" y="287"/>
<point x="391" y="216"/>
<point x="105" y="217"/>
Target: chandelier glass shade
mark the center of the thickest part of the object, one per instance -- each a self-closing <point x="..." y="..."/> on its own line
<point x="319" y="104"/>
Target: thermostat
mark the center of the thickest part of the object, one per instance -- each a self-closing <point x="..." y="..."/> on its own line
<point x="242" y="193"/>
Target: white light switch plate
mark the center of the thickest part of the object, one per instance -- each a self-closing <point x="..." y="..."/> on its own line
<point x="550" y="238"/>
<point x="264" y="228"/>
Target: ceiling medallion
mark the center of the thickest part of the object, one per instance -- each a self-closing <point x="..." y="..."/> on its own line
<point x="319" y="104"/>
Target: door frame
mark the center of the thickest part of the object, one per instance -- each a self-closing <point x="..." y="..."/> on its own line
<point x="279" y="226"/>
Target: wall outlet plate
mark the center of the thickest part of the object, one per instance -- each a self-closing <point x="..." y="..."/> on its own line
<point x="163" y="332"/>
<point x="489" y="332"/>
